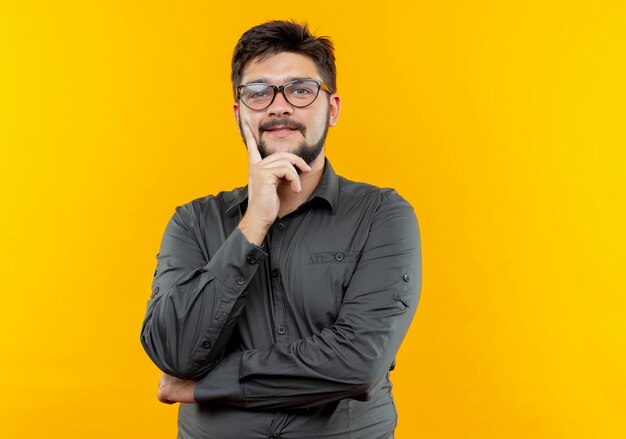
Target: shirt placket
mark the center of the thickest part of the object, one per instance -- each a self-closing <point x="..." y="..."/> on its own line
<point x="279" y="230"/>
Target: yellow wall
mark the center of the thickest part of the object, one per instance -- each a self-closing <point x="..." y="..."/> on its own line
<point x="502" y="122"/>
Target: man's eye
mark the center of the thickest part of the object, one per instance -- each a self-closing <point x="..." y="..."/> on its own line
<point x="302" y="91"/>
<point x="258" y="95"/>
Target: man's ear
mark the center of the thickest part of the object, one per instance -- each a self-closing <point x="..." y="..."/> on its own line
<point x="334" y="107"/>
<point x="237" y="119"/>
<point x="236" y="112"/>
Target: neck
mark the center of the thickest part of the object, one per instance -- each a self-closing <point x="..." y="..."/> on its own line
<point x="289" y="200"/>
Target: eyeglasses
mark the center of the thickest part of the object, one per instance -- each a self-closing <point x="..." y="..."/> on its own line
<point x="300" y="93"/>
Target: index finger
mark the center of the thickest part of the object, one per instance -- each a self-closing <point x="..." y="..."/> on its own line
<point x="254" y="156"/>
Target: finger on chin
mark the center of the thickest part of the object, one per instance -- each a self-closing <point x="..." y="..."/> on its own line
<point x="253" y="151"/>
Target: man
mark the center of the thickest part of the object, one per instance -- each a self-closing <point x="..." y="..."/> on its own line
<point x="278" y="308"/>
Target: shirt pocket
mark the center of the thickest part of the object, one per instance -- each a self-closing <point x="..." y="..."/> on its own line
<point x="321" y="283"/>
<point x="334" y="270"/>
<point x="335" y="267"/>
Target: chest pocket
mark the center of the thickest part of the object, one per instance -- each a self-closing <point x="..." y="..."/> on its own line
<point x="321" y="284"/>
<point x="334" y="270"/>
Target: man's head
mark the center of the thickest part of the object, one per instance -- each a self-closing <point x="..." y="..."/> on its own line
<point x="274" y="37"/>
<point x="277" y="53"/>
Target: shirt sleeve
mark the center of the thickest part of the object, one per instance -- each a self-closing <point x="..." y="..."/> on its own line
<point x="196" y="299"/>
<point x="351" y="358"/>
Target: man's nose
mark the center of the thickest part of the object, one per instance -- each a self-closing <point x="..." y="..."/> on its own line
<point x="280" y="106"/>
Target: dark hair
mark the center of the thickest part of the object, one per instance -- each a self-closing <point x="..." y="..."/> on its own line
<point x="275" y="37"/>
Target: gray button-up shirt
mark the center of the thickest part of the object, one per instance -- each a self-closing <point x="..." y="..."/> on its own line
<point x="296" y="338"/>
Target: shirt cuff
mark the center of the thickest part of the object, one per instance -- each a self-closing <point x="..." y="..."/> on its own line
<point x="221" y="384"/>
<point x="236" y="262"/>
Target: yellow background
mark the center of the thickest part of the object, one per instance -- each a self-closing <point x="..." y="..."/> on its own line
<point x="502" y="122"/>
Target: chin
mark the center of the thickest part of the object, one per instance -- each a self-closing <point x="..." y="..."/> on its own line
<point x="267" y="149"/>
<point x="280" y="146"/>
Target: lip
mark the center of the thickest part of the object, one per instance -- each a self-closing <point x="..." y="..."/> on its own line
<point x="281" y="132"/>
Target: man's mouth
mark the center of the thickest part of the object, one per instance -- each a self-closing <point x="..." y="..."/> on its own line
<point x="281" y="131"/>
<point x="281" y="128"/>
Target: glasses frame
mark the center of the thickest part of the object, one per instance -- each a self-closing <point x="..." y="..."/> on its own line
<point x="281" y="89"/>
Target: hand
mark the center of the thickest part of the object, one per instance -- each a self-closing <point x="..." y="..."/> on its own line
<point x="264" y="175"/>
<point x="172" y="390"/>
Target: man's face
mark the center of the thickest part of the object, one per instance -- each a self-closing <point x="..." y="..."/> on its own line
<point x="281" y="126"/>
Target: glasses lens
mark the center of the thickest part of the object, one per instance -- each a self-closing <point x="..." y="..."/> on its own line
<point x="256" y="96"/>
<point x="302" y="92"/>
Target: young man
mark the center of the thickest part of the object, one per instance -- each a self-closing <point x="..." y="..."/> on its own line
<point x="278" y="308"/>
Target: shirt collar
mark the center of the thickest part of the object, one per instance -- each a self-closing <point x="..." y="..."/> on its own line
<point x="327" y="190"/>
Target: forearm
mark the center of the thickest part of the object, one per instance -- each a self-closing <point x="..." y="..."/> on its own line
<point x="350" y="358"/>
<point x="328" y="367"/>
<point x="190" y="318"/>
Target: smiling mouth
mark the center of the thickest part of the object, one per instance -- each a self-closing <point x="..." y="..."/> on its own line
<point x="281" y="128"/>
<point x="281" y="132"/>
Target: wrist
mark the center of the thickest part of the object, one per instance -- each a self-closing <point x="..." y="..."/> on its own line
<point x="253" y="230"/>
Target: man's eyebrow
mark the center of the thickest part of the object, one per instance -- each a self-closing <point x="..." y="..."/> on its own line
<point x="266" y="80"/>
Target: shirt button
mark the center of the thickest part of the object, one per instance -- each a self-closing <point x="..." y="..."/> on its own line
<point x="240" y="280"/>
<point x="251" y="260"/>
<point x="281" y="226"/>
<point x="275" y="273"/>
<point x="406" y="278"/>
<point x="206" y="343"/>
<point x="339" y="257"/>
<point x="156" y="290"/>
<point x="281" y="330"/>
